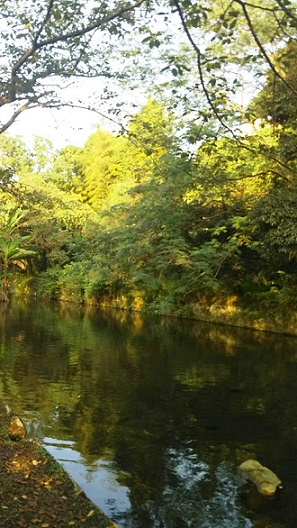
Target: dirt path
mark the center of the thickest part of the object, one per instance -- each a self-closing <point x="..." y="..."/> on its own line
<point x="36" y="492"/>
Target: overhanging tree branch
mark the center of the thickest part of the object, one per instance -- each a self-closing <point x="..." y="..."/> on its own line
<point x="199" y="65"/>
<point x="14" y="116"/>
<point x="78" y="33"/>
<point x="286" y="10"/>
<point x="46" y="18"/>
<point x="63" y="37"/>
<point x="261" y="47"/>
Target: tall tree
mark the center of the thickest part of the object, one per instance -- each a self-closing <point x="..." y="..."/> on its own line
<point x="273" y="219"/>
<point x="103" y="164"/>
<point x="276" y="103"/>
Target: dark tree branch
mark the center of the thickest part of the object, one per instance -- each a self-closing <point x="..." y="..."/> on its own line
<point x="29" y="105"/>
<point x="199" y="65"/>
<point x="81" y="107"/>
<point x="262" y="8"/>
<point x="60" y="38"/>
<point x="260" y="174"/>
<point x="287" y="11"/>
<point x="261" y="47"/>
<point x="47" y="16"/>
<point x="14" y="116"/>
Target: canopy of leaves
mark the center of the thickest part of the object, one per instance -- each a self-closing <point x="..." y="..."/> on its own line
<point x="42" y="42"/>
<point x="197" y="56"/>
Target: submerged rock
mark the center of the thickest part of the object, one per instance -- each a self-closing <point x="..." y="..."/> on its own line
<point x="16" y="429"/>
<point x="266" y="481"/>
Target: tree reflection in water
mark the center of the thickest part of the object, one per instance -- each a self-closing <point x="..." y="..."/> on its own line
<point x="153" y="416"/>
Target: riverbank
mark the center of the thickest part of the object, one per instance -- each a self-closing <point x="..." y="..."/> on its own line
<point x="35" y="490"/>
<point x="230" y="310"/>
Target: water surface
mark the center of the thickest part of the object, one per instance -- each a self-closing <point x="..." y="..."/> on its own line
<point x="152" y="416"/>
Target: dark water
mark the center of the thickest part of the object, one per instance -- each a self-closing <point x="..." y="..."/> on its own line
<point x="152" y="416"/>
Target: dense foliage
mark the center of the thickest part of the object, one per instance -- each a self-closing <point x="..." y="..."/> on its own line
<point x="140" y="220"/>
<point x="181" y="207"/>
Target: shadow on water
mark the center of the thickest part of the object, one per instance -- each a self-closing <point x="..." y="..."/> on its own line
<point x="152" y="416"/>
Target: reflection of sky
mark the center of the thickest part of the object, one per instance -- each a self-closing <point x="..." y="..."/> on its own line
<point x="184" y="501"/>
<point x="98" y="480"/>
<point x="193" y="505"/>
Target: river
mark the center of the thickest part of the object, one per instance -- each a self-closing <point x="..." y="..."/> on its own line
<point x="153" y="415"/>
